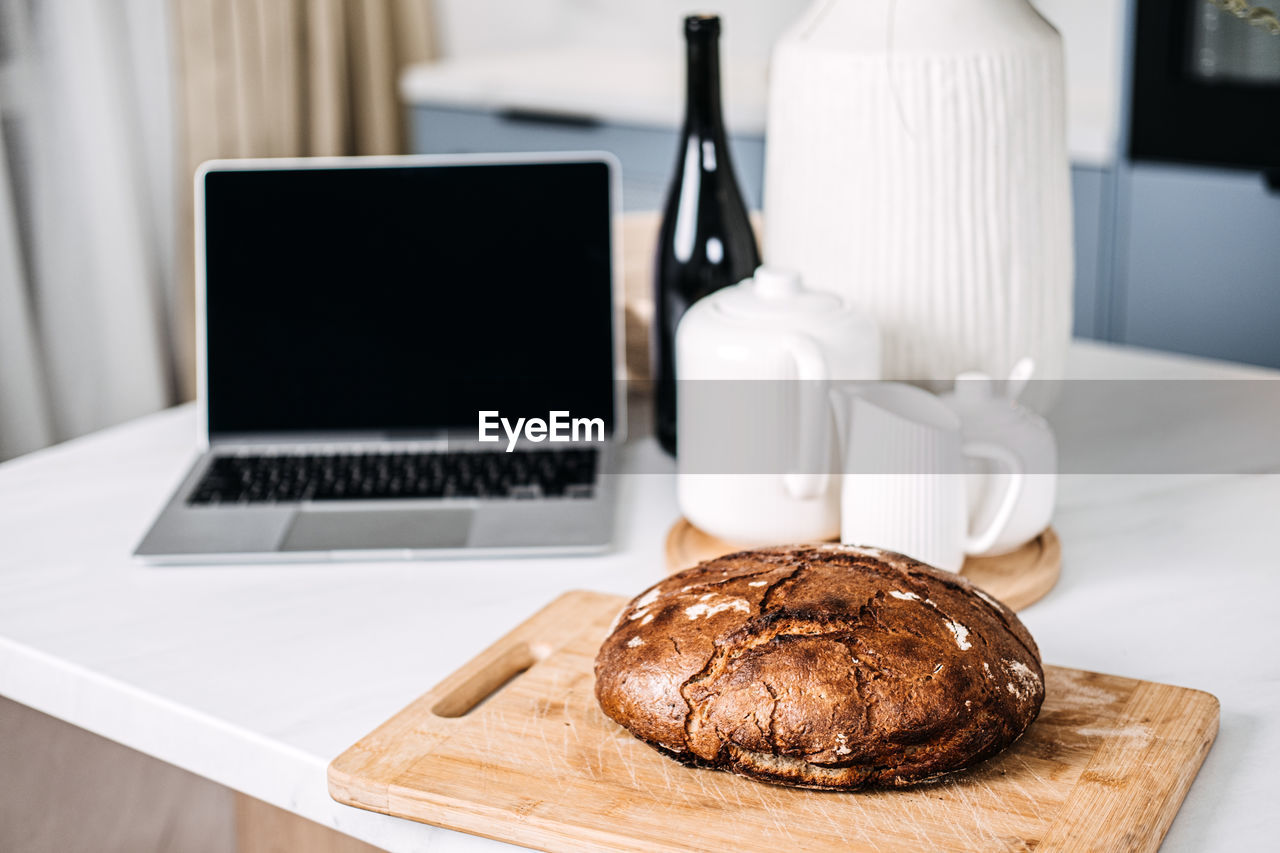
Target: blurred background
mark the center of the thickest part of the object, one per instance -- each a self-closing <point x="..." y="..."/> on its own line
<point x="107" y="107"/>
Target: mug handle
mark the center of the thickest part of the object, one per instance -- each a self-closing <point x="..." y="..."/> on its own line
<point x="811" y="366"/>
<point x="977" y="543"/>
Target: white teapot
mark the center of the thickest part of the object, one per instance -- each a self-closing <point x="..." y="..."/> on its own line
<point x="755" y="427"/>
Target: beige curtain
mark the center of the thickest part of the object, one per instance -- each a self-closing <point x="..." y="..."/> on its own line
<point x="287" y="78"/>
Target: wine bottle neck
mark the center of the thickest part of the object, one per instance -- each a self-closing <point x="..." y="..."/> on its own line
<point x="703" y="113"/>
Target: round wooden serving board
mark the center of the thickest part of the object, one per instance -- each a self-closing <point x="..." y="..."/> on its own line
<point x="1019" y="579"/>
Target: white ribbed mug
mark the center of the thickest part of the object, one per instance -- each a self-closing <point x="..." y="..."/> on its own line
<point x="904" y="483"/>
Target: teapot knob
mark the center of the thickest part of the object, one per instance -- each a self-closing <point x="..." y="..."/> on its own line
<point x="973" y="387"/>
<point x="775" y="283"/>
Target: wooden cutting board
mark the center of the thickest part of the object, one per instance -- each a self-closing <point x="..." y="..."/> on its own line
<point x="512" y="746"/>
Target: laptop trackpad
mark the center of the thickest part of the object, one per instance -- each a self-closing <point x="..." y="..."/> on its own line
<point x="363" y="530"/>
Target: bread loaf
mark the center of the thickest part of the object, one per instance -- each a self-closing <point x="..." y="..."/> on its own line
<point x="825" y="666"/>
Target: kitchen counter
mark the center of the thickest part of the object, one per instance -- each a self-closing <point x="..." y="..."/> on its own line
<point x="630" y="87"/>
<point x="256" y="676"/>
<point x="636" y="64"/>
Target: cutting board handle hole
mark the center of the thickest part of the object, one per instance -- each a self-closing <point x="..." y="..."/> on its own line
<point x="489" y="681"/>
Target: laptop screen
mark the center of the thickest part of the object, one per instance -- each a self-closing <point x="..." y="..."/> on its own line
<point x="407" y="299"/>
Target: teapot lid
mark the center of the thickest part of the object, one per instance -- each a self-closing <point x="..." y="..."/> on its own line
<point x="773" y="293"/>
<point x="985" y="412"/>
<point x="974" y="388"/>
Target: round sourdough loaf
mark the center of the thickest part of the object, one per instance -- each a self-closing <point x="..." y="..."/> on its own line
<point x="823" y="666"/>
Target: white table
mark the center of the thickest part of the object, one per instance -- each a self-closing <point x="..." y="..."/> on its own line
<point x="256" y="676"/>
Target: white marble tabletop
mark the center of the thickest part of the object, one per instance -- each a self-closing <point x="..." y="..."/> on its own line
<point x="257" y="676"/>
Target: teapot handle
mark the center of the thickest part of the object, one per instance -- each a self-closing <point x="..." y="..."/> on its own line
<point x="977" y="543"/>
<point x="811" y="452"/>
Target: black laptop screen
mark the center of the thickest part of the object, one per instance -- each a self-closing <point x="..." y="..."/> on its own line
<point x="407" y="299"/>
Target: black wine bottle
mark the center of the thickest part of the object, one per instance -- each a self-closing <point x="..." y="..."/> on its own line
<point x="706" y="241"/>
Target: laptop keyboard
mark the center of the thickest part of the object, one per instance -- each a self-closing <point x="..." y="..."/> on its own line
<point x="280" y="478"/>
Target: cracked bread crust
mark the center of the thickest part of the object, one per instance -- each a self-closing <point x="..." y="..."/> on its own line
<point x="827" y="666"/>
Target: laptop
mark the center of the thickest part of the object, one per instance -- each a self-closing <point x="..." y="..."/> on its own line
<point x="402" y="357"/>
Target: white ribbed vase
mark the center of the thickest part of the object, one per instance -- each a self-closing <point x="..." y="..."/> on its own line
<point x="917" y="166"/>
